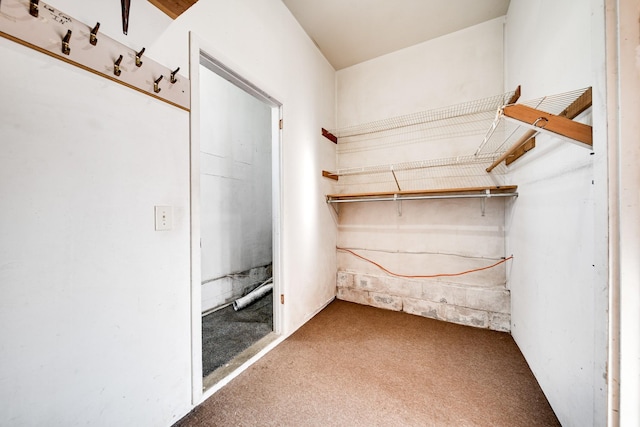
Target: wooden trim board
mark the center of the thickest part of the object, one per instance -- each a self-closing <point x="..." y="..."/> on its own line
<point x="470" y="190"/>
<point x="560" y="125"/>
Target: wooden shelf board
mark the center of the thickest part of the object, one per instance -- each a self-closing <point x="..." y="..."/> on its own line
<point x="173" y="8"/>
<point x="453" y="191"/>
<point x="550" y="122"/>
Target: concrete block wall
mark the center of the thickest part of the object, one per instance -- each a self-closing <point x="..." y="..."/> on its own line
<point x="430" y="237"/>
<point x="478" y="306"/>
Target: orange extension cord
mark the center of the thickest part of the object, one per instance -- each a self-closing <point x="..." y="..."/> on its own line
<point x="424" y="277"/>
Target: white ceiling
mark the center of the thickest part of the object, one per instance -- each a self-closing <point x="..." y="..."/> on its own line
<point x="352" y="31"/>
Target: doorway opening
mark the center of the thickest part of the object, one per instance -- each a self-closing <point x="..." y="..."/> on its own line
<point x="238" y="204"/>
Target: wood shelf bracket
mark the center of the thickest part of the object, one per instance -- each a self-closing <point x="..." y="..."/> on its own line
<point x="516" y="96"/>
<point x="539" y="121"/>
<point x="331" y="137"/>
<point x="330" y="175"/>
<point x="521" y="151"/>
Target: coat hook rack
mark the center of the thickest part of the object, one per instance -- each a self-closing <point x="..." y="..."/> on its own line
<point x="156" y="83"/>
<point x="138" y="56"/>
<point x="33" y="8"/>
<point x="93" y="39"/>
<point x="109" y="58"/>
<point x="66" y="49"/>
<point x="116" y="66"/>
<point x="173" y="79"/>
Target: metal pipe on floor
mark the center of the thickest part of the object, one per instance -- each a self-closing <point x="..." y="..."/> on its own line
<point x="254" y="295"/>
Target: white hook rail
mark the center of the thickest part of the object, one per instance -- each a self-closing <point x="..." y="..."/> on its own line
<point x="44" y="28"/>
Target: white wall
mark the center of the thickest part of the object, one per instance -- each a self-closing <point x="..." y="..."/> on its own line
<point x="96" y="304"/>
<point x="235" y="184"/>
<point x="623" y="83"/>
<point x="459" y="67"/>
<point x="261" y="41"/>
<point x="556" y="229"/>
<point x="434" y="236"/>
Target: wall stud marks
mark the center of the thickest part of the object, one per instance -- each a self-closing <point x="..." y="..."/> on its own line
<point x="65" y="43"/>
<point x="138" y="56"/>
<point x="93" y="39"/>
<point x="173" y="79"/>
<point x="33" y="8"/>
<point x="156" y="83"/>
<point x="116" y="66"/>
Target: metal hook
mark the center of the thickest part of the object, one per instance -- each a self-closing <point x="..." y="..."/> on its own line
<point x="125" y="4"/>
<point x="138" y="56"/>
<point x="116" y="66"/>
<point x="92" y="37"/>
<point x="173" y="76"/>
<point x="156" y="88"/>
<point x="65" y="43"/>
<point x="33" y="8"/>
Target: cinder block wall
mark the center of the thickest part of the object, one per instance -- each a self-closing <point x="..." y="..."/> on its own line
<point x="429" y="238"/>
<point x="451" y="302"/>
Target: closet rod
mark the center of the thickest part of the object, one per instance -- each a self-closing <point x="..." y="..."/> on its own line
<point x="399" y="198"/>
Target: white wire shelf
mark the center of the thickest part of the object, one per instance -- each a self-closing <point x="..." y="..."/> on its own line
<point x="421" y="120"/>
<point x="467" y="171"/>
<point x="464" y="176"/>
<point x="456" y="172"/>
<point x="421" y="164"/>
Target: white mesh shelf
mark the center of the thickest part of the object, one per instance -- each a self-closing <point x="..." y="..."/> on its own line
<point x="441" y="117"/>
<point x="448" y="177"/>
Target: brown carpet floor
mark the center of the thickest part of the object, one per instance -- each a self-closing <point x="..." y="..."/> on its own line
<point x="353" y="365"/>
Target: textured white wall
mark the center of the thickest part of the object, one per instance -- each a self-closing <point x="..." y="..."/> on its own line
<point x="96" y="304"/>
<point x="556" y="231"/>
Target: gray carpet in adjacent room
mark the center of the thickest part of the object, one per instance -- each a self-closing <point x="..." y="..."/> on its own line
<point x="226" y="333"/>
<point x="354" y="365"/>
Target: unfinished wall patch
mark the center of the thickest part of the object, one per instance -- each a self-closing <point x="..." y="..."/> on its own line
<point x="481" y="307"/>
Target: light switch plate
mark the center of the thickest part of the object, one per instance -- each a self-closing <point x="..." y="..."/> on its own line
<point x="164" y="218"/>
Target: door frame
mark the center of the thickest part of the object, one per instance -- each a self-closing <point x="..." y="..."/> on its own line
<point x="225" y="68"/>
